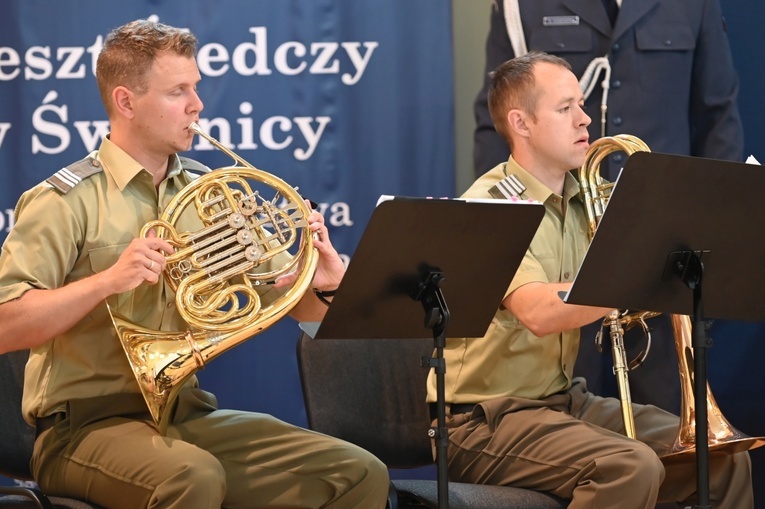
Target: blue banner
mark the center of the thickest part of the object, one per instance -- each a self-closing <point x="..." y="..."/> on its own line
<point x="339" y="98"/>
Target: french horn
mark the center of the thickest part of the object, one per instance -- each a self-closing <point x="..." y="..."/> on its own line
<point x="246" y="240"/>
<point x="722" y="436"/>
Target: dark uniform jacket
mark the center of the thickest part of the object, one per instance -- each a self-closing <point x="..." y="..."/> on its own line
<point x="672" y="78"/>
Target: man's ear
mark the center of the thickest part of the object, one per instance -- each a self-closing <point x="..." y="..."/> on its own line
<point x="123" y="101"/>
<point x="516" y="122"/>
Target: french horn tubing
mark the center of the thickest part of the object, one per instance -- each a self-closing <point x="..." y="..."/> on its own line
<point x="722" y="436"/>
<point x="254" y="228"/>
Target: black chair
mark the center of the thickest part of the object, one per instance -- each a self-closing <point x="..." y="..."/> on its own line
<point x="372" y="393"/>
<point x="17" y="439"/>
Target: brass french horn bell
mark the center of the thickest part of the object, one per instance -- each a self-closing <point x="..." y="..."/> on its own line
<point x="253" y="227"/>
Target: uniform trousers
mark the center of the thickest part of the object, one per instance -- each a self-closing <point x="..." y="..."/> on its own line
<point x="208" y="459"/>
<point x="572" y="444"/>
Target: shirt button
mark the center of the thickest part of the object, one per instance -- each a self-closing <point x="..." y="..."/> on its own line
<point x="616" y="84"/>
<point x="668" y="42"/>
<point x="169" y="305"/>
<point x="618" y="120"/>
<point x="616" y="47"/>
<point x="618" y="158"/>
<point x="566" y="275"/>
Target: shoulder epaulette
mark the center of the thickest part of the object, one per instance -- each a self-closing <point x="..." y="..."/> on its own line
<point x="193" y="166"/>
<point x="66" y="178"/>
<point x="508" y="187"/>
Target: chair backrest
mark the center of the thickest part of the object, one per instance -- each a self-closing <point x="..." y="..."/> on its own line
<point x="370" y="392"/>
<point x="17" y="440"/>
<point x="17" y="437"/>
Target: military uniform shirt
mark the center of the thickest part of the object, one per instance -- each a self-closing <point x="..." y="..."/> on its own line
<point x="59" y="238"/>
<point x="509" y="361"/>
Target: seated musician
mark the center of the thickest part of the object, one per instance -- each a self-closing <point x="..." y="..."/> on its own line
<point x="515" y="414"/>
<point x="75" y="246"/>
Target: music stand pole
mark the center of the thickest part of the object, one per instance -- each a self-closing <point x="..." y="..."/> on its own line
<point x="437" y="318"/>
<point x="691" y="269"/>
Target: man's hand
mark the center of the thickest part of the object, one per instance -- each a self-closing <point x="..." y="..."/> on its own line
<point x="330" y="268"/>
<point x="143" y="260"/>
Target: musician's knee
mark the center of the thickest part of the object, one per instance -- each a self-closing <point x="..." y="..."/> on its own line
<point x="376" y="474"/>
<point x="366" y="473"/>
<point x="730" y="475"/>
<point x="368" y="481"/>
<point x="636" y="465"/>
<point x="199" y="481"/>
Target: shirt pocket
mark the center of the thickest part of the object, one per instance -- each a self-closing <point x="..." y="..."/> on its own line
<point x="665" y="51"/>
<point x="562" y="40"/>
<point x="101" y="258"/>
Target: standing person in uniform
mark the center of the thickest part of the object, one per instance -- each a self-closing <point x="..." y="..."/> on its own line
<point x="669" y="80"/>
<point x="75" y="247"/>
<point x="516" y="415"/>
<point x="668" y="68"/>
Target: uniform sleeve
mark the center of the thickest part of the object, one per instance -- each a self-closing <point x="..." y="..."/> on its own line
<point x="489" y="148"/>
<point x="529" y="271"/>
<point x="717" y="131"/>
<point x="41" y="248"/>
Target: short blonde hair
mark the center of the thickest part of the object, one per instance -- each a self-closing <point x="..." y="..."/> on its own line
<point x="130" y="50"/>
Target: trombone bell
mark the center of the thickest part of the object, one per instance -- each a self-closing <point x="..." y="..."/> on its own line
<point x="722" y="437"/>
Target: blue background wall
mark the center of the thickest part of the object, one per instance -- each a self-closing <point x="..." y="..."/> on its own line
<point x="735" y="360"/>
<point x="387" y="129"/>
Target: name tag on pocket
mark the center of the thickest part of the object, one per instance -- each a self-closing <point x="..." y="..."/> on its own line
<point x="560" y="21"/>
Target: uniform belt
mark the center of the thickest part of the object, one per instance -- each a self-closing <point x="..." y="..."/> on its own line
<point x="452" y="409"/>
<point x="43" y="424"/>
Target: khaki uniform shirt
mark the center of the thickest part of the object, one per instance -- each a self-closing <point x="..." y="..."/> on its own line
<point x="59" y="238"/>
<point x="509" y="361"/>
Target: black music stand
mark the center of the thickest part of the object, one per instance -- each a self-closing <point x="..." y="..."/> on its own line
<point x="673" y="225"/>
<point x="465" y="252"/>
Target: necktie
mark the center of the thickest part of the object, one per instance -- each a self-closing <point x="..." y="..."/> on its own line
<point x="612" y="9"/>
